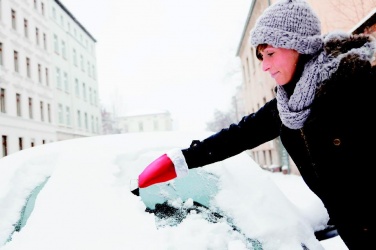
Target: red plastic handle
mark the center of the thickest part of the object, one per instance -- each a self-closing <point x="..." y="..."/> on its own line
<point x="160" y="170"/>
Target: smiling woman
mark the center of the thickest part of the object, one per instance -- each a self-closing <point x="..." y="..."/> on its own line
<point x="279" y="62"/>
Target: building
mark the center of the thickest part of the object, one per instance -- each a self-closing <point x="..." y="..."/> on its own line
<point x="76" y="88"/>
<point x="367" y="25"/>
<point x="48" y="83"/>
<point x="145" y="121"/>
<point x="258" y="87"/>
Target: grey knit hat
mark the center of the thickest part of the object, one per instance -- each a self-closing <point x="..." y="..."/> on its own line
<point x="289" y="24"/>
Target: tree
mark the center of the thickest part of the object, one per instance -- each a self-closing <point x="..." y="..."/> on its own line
<point x="347" y="13"/>
<point x="108" y="123"/>
<point x="224" y="119"/>
<point x="221" y="120"/>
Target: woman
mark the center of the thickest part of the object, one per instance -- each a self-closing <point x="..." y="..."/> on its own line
<point x="323" y="113"/>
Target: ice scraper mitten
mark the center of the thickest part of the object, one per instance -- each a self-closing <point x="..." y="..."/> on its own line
<point x="166" y="167"/>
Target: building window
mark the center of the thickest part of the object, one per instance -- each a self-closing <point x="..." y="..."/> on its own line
<point x="35" y="5"/>
<point x="56" y="44"/>
<point x="140" y="126"/>
<point x="32" y="143"/>
<point x="47" y="77"/>
<point x="1" y="53"/>
<point x="66" y="84"/>
<point x="58" y="78"/>
<point x="2" y="100"/>
<point x="30" y="108"/>
<point x="45" y="41"/>
<point x="43" y="141"/>
<point x="74" y="57"/>
<point x="37" y="36"/>
<point x="26" y="28"/>
<point x="28" y="71"/>
<point x="90" y="97"/>
<point x="20" y="143"/>
<point x="82" y="63"/>
<point x="84" y="91"/>
<point x="49" y="113"/>
<point x="86" y="122"/>
<point x="92" y="124"/>
<point x="15" y="58"/>
<point x="60" y="113"/>
<point x="97" y="125"/>
<point x="39" y="73"/>
<point x="95" y="98"/>
<point x="63" y="50"/>
<point x="67" y="115"/>
<point x="79" y="119"/>
<point x="156" y="125"/>
<point x="41" y="111"/>
<point x="77" y="87"/>
<point x="88" y="69"/>
<point x="14" y="17"/>
<point x="93" y="72"/>
<point x="5" y="145"/>
<point x="18" y="104"/>
<point x="42" y="8"/>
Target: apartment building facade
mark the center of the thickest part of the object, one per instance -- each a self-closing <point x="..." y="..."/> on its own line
<point x="75" y="71"/>
<point x="258" y="87"/>
<point x="45" y="95"/>
<point x="145" y="121"/>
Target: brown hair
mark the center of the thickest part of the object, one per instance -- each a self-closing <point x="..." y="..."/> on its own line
<point x="260" y="48"/>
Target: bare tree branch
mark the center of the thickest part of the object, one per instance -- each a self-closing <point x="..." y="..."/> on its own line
<point x="347" y="13"/>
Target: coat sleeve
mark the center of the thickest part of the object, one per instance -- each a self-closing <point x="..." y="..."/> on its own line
<point x="252" y="131"/>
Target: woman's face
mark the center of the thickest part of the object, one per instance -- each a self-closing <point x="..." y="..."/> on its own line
<point x="280" y="63"/>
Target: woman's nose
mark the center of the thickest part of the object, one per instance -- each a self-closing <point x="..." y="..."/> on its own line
<point x="265" y="65"/>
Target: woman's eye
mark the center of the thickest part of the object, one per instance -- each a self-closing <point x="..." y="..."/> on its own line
<point x="270" y="54"/>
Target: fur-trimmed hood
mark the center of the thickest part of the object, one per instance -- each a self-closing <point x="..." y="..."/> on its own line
<point x="357" y="53"/>
<point x="338" y="43"/>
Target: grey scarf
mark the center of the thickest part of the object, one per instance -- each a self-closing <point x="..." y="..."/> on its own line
<point x="295" y="111"/>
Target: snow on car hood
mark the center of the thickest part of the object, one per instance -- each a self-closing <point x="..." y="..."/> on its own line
<point x="87" y="204"/>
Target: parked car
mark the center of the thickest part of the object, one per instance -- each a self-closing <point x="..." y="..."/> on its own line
<point x="75" y="194"/>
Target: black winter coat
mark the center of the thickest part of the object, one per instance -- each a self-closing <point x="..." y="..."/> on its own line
<point x="335" y="149"/>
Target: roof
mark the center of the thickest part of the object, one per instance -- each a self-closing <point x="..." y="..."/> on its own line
<point x="75" y="20"/>
<point x="245" y="26"/>
<point x="368" y="20"/>
<point x="145" y="112"/>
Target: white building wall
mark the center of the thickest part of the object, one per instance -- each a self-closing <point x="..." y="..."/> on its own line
<point x="74" y="57"/>
<point x="38" y="123"/>
<point x="147" y="122"/>
<point x="34" y="85"/>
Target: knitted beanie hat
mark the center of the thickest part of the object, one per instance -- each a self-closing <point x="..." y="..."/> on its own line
<point x="289" y="24"/>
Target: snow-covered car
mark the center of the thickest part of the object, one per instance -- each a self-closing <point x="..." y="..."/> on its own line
<point x="75" y="194"/>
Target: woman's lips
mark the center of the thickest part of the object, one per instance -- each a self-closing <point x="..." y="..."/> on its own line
<point x="274" y="74"/>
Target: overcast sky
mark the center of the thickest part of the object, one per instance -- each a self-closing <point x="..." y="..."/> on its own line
<point x="174" y="55"/>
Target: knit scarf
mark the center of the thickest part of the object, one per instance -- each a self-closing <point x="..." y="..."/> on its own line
<point x="295" y="110"/>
